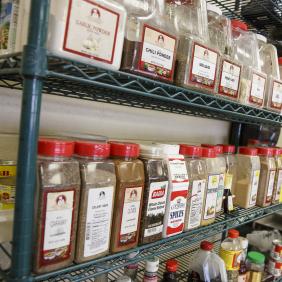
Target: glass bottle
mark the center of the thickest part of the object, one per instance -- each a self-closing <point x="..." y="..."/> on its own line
<point x="171" y="269"/>
<point x="151" y="270"/>
<point x="278" y="176"/>
<point x="131" y="270"/>
<point x="150" y="40"/>
<point x="198" y="176"/>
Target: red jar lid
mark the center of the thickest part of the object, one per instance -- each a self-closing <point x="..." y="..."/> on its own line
<point x="277" y="151"/>
<point x="263" y="151"/>
<point x="92" y="149"/>
<point x="119" y="149"/>
<point x="171" y="265"/>
<point x="190" y="150"/>
<point x="280" y="60"/>
<point x="248" y="151"/>
<point x="233" y="233"/>
<point x="228" y="149"/>
<point x="239" y="24"/>
<point x="206" y="245"/>
<point x="208" y="152"/>
<point x="55" y="147"/>
<point x="218" y="148"/>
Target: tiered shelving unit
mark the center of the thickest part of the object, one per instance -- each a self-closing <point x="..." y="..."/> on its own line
<point x="36" y="71"/>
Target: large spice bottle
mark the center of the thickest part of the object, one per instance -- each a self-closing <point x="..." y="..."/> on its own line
<point x="98" y="181"/>
<point x="58" y="189"/>
<point x="150" y="41"/>
<point x="155" y="194"/>
<point x="129" y="196"/>
<point x="247" y="180"/>
<point x="197" y="172"/>
<point x="267" y="176"/>
<point x="278" y="176"/>
<point x="214" y="172"/>
<point x="177" y="190"/>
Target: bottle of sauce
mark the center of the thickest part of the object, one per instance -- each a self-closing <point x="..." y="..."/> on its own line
<point x="267" y="176"/>
<point x="129" y="196"/>
<point x="58" y="189"/>
<point x="151" y="270"/>
<point x="171" y="269"/>
<point x="197" y="172"/>
<point x="131" y="270"/>
<point x="98" y="182"/>
<point x="155" y="194"/>
<point x="243" y="267"/>
<point x="278" y="175"/>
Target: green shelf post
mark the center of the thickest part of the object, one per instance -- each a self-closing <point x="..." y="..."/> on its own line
<point x="33" y="71"/>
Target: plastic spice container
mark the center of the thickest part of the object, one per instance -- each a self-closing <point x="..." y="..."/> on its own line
<point x="197" y="172"/>
<point x="278" y="176"/>
<point x="155" y="194"/>
<point x="197" y="62"/>
<point x="91" y="32"/>
<point x="213" y="171"/>
<point x="129" y="196"/>
<point x="267" y="176"/>
<point x="177" y="190"/>
<point x="255" y="265"/>
<point x="98" y="181"/>
<point x="58" y="190"/>
<point x="150" y="40"/>
<point x="246" y="51"/>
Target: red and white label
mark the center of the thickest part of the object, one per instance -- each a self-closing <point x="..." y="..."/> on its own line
<point x="276" y="97"/>
<point x="257" y="89"/>
<point x="254" y="188"/>
<point x="178" y="170"/>
<point x="278" y="185"/>
<point x="91" y="30"/>
<point x="274" y="267"/>
<point x="270" y="187"/>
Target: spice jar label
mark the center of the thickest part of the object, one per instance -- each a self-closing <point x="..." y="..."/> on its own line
<point x="270" y="186"/>
<point x="254" y="188"/>
<point x="130" y="215"/>
<point x="204" y="65"/>
<point x="158" y="52"/>
<point x="91" y="31"/>
<point x="211" y="197"/>
<point x="196" y="205"/>
<point x="98" y="220"/>
<point x="7" y="197"/>
<point x="276" y="97"/>
<point x="220" y="191"/>
<point x="57" y="226"/>
<point x="156" y="208"/>
<point x="178" y="170"/>
<point x="229" y="80"/>
<point x="278" y="185"/>
<point x="7" y="171"/>
<point x="257" y="89"/>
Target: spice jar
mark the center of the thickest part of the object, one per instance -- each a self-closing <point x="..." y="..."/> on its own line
<point x="129" y="196"/>
<point x="91" y="32"/>
<point x="98" y="181"/>
<point x="247" y="180"/>
<point x="255" y="266"/>
<point x="150" y="41"/>
<point x="213" y="171"/>
<point x="197" y="172"/>
<point x="278" y="175"/>
<point x="155" y="194"/>
<point x="58" y="189"/>
<point x="267" y="176"/>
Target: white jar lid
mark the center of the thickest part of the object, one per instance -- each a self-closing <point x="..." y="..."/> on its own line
<point x="261" y="38"/>
<point x="214" y="9"/>
<point x="169" y="149"/>
<point x="152" y="264"/>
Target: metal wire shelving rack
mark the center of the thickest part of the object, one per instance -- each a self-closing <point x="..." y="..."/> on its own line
<point x="35" y="72"/>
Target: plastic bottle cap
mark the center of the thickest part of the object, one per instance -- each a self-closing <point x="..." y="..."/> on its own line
<point x="171" y="265"/>
<point x="55" y="147"/>
<point x="233" y="233"/>
<point x="256" y="257"/>
<point x="263" y="151"/>
<point x="261" y="38"/>
<point x="169" y="149"/>
<point x="227" y="149"/>
<point x="248" y="151"/>
<point x="206" y="245"/>
<point x="208" y="152"/>
<point x="151" y="151"/>
<point x="92" y="149"/>
<point x="218" y="148"/>
<point x="119" y="149"/>
<point x="280" y="60"/>
<point x="214" y="9"/>
<point x="152" y="264"/>
<point x="239" y="24"/>
<point x="189" y="150"/>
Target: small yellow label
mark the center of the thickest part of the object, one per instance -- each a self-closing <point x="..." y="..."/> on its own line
<point x="7" y="170"/>
<point x="7" y="197"/>
<point x="228" y="181"/>
<point x="231" y="259"/>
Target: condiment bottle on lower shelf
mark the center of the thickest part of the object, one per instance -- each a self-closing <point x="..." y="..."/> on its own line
<point x="213" y="171"/>
<point x="131" y="270"/>
<point x="91" y="32"/>
<point x="247" y="180"/>
<point x="58" y="189"/>
<point x="155" y="194"/>
<point x="267" y="176"/>
<point x="171" y="269"/>
<point x="198" y="176"/>
<point x="177" y="190"/>
<point x="246" y="51"/>
<point x="197" y="62"/>
<point x="255" y="266"/>
<point x="151" y="270"/>
<point x="129" y="196"/>
<point x="278" y="176"/>
<point x="150" y="40"/>
<point x="98" y="182"/>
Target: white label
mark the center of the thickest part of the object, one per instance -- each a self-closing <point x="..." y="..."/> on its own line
<point x="98" y="221"/>
<point x="254" y="188"/>
<point x="153" y="231"/>
<point x="279" y="185"/>
<point x="258" y="85"/>
<point x="178" y="170"/>
<point x="58" y="224"/>
<point x="91" y="30"/>
<point x="210" y="205"/>
<point x="230" y="206"/>
<point x="196" y="205"/>
<point x="230" y="76"/>
<point x="269" y="192"/>
<point x="204" y="63"/>
<point x="242" y="278"/>
<point x="220" y="192"/>
<point x="277" y="92"/>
